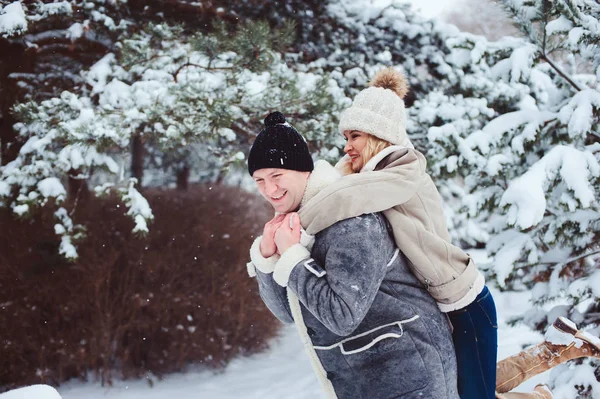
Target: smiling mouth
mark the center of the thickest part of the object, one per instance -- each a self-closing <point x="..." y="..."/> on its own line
<point x="280" y="197"/>
<point x="353" y="158"/>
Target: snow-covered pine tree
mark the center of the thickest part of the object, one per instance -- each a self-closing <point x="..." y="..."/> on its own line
<point x="186" y="98"/>
<point x="515" y="135"/>
<point x="47" y="43"/>
<point x="44" y="46"/>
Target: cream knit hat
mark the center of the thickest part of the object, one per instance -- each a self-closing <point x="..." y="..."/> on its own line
<point x="379" y="109"/>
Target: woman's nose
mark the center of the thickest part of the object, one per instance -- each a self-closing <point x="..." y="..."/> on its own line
<point x="347" y="147"/>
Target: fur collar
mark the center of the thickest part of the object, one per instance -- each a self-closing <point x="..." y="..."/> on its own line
<point x="323" y="175"/>
<point x="339" y="166"/>
<point x="372" y="164"/>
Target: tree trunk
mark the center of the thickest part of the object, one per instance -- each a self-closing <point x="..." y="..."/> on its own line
<point x="221" y="177"/>
<point x="15" y="58"/>
<point x="183" y="177"/>
<point x="137" y="159"/>
<point x="9" y="148"/>
<point x="77" y="188"/>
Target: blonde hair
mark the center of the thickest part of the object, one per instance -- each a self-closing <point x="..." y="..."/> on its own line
<point x="373" y="146"/>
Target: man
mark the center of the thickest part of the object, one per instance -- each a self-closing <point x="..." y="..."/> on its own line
<point x="370" y="328"/>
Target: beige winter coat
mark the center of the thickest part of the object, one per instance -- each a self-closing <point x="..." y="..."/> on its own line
<point x="396" y="183"/>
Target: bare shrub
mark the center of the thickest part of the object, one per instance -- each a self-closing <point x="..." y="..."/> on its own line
<point x="129" y="305"/>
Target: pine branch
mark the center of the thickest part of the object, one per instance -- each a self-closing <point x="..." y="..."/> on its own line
<point x="575" y="12"/>
<point x="559" y="71"/>
<point x="544" y="26"/>
<point x="372" y="20"/>
<point x="188" y="64"/>
<point x="573" y="259"/>
<point x="545" y="13"/>
<point x="518" y="20"/>
<point x="239" y="128"/>
<point x="154" y="57"/>
<point x="79" y="190"/>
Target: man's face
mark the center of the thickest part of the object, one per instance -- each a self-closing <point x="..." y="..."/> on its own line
<point x="283" y="188"/>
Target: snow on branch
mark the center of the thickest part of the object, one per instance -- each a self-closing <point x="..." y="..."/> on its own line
<point x="579" y="112"/>
<point x="66" y="231"/>
<point x="526" y="195"/>
<point x="12" y="20"/>
<point x="45" y="10"/>
<point x="51" y="187"/>
<point x="498" y="129"/>
<point x="138" y="206"/>
<point x="508" y="248"/>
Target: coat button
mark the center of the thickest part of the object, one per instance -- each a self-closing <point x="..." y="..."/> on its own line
<point x="310" y="332"/>
<point x="330" y="375"/>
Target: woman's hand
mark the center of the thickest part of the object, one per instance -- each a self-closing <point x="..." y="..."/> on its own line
<point x="288" y="233"/>
<point x="267" y="243"/>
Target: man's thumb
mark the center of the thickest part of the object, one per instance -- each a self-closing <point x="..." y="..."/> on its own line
<point x="295" y="222"/>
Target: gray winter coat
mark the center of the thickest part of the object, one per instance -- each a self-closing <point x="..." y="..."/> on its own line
<point x="371" y="330"/>
<point x="376" y="332"/>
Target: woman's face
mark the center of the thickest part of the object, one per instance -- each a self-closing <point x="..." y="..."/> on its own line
<point x="355" y="144"/>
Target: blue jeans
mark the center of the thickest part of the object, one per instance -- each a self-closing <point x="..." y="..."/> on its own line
<point x="475" y="338"/>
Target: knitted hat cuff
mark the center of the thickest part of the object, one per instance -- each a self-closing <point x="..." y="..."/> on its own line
<point x="364" y="120"/>
<point x="301" y="162"/>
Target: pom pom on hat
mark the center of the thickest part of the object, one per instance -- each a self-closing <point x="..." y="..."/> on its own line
<point x="391" y="79"/>
<point x="279" y="145"/>
<point x="274" y="118"/>
<point x="379" y="109"/>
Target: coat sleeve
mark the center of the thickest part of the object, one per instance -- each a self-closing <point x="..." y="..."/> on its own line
<point x="274" y="296"/>
<point x="363" y="193"/>
<point x="340" y="291"/>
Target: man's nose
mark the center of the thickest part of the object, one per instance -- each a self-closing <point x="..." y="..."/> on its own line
<point x="270" y="187"/>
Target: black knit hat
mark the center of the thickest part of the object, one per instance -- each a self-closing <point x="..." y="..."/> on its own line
<point x="279" y="145"/>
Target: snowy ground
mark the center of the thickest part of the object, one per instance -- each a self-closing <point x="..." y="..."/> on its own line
<point x="281" y="372"/>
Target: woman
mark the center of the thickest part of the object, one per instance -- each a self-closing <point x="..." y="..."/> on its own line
<point x="374" y="128"/>
<point x="384" y="173"/>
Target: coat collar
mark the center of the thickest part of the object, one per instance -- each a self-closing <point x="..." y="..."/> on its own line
<point x="373" y="162"/>
<point x="323" y="175"/>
